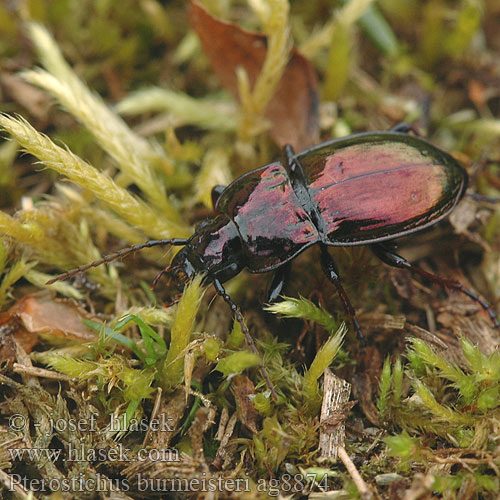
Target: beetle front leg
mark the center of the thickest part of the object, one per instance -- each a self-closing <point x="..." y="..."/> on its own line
<point x="330" y="269"/>
<point x="237" y="314"/>
<point x="387" y="255"/>
<point x="280" y="278"/>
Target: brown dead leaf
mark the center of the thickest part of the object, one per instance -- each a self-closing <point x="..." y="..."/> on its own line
<point x="331" y="423"/>
<point x="477" y="92"/>
<point x="12" y="332"/>
<point x="41" y="314"/>
<point x="243" y="388"/>
<point x="365" y="383"/>
<point x="203" y="420"/>
<point x="227" y="448"/>
<point x="293" y="111"/>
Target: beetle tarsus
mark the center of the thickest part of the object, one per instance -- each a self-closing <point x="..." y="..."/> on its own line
<point x="278" y="283"/>
<point x="393" y="259"/>
<point x="404" y="128"/>
<point x="117" y="255"/>
<point x="331" y="272"/>
<point x="172" y="302"/>
<point x="237" y="314"/>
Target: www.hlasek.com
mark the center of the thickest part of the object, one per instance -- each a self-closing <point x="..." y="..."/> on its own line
<point x="83" y="453"/>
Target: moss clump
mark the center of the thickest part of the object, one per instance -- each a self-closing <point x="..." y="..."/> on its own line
<point x="425" y="419"/>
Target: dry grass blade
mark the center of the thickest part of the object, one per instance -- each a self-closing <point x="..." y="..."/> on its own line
<point x="134" y="211"/>
<point x="133" y="154"/>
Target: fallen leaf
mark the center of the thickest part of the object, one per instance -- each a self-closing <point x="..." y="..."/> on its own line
<point x="203" y="420"/>
<point x="243" y="388"/>
<point x="42" y="314"/>
<point x="12" y="332"/>
<point x="337" y="417"/>
<point x="365" y="383"/>
<point x="293" y="111"/>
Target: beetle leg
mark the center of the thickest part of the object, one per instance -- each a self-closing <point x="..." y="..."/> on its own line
<point x="330" y="269"/>
<point x="173" y="302"/>
<point x="237" y="314"/>
<point x="393" y="259"/>
<point x="157" y="278"/>
<point x="290" y="155"/>
<point x="216" y="192"/>
<point x="278" y="283"/>
<point x="404" y="128"/>
<point x="292" y="162"/>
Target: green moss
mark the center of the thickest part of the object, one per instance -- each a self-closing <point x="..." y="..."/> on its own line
<point x="150" y="176"/>
<point x="180" y="334"/>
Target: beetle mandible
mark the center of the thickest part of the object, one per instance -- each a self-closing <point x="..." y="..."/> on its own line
<point x="363" y="189"/>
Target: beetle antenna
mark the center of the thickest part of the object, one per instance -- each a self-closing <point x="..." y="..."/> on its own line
<point x="234" y="308"/>
<point x="117" y="255"/>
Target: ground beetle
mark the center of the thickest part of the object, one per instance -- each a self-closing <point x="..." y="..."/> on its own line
<point x="364" y="189"/>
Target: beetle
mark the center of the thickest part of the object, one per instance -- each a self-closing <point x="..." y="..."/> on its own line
<point x="364" y="189"/>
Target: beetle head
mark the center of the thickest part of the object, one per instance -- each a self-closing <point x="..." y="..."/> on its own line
<point x="181" y="271"/>
<point x="214" y="249"/>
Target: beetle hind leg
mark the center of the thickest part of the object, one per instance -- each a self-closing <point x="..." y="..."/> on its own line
<point x="404" y="128"/>
<point x="330" y="269"/>
<point x="388" y="256"/>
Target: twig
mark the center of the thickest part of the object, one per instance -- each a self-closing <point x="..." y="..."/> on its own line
<point x="9" y="483"/>
<point x="156" y="408"/>
<point x="365" y="493"/>
<point x="333" y="413"/>
<point x="39" y="372"/>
